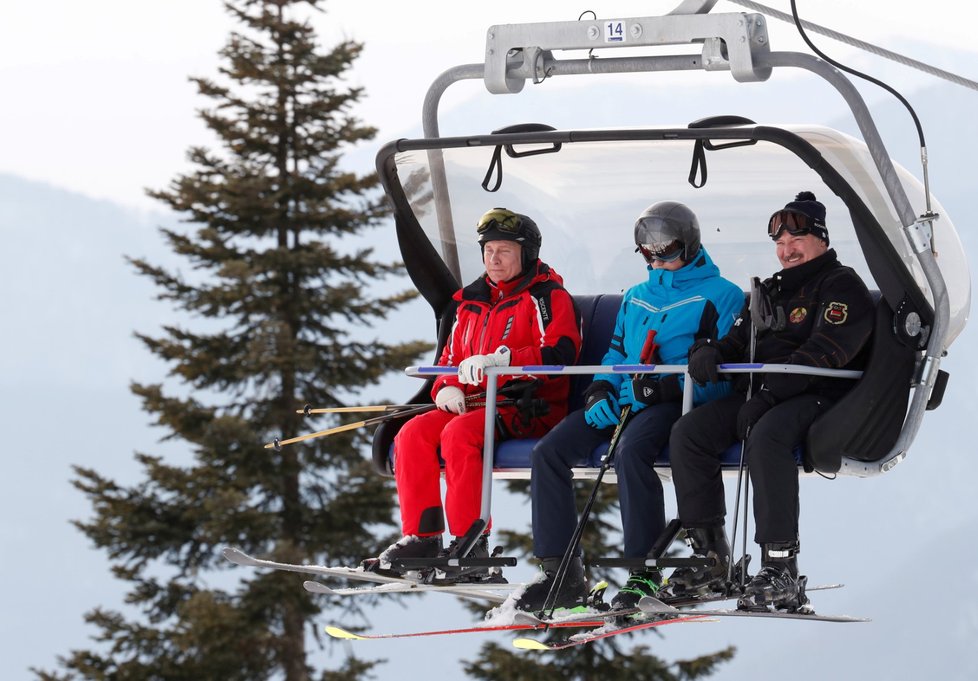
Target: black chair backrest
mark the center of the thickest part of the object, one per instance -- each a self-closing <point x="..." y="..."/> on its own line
<point x="865" y="423"/>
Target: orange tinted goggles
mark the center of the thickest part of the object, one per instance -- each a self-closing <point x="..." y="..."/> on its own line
<point x="794" y="222"/>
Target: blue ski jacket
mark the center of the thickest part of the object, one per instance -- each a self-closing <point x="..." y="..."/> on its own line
<point x="689" y="304"/>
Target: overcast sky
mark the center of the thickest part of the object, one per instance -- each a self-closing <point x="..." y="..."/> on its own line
<point x="96" y="96"/>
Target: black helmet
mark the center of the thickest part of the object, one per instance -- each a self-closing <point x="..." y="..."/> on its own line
<point x="667" y="230"/>
<point x="502" y="224"/>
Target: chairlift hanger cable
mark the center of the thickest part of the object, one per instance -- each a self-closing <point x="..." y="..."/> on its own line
<point x="867" y="47"/>
<point x="801" y="25"/>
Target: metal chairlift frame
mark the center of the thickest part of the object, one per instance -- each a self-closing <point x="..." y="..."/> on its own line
<point x="736" y="42"/>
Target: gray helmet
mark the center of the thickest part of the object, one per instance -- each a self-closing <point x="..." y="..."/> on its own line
<point x="502" y="224"/>
<point x="666" y="231"/>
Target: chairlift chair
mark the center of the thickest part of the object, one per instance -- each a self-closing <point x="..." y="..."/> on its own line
<point x="584" y="187"/>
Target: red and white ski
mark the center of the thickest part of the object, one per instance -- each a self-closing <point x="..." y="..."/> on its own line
<point x="530" y="623"/>
<point x="609" y="629"/>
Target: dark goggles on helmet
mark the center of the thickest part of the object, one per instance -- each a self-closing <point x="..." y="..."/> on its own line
<point x="794" y="222"/>
<point x="667" y="252"/>
<point x="502" y="219"/>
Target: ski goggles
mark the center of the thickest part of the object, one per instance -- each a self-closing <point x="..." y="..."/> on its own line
<point x="795" y="223"/>
<point x="664" y="252"/>
<point x="502" y="219"/>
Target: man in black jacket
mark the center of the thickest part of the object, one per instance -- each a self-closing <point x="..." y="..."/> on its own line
<point x="815" y="312"/>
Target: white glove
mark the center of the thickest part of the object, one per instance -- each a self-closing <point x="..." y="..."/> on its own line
<point x="450" y="399"/>
<point x="472" y="370"/>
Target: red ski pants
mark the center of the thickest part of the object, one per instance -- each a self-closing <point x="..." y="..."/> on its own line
<point x="418" y="472"/>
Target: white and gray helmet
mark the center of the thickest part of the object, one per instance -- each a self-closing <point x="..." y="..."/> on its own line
<point x="667" y="230"/>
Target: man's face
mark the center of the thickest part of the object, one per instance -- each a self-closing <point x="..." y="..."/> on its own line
<point x="795" y="250"/>
<point x="502" y="260"/>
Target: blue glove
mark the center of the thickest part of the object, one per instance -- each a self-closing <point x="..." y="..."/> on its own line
<point x="601" y="409"/>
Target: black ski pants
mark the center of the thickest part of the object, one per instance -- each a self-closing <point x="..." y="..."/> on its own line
<point x="700" y="437"/>
<point x="639" y="487"/>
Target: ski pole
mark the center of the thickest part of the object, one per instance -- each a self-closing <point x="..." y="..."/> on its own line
<point x="277" y="444"/>
<point x="308" y="410"/>
<point x="549" y="604"/>
<point x="742" y="467"/>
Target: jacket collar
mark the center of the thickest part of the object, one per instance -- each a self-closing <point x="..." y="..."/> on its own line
<point x="699" y="268"/>
<point x="791" y="279"/>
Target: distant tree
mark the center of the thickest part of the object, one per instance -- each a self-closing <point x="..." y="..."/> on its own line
<point x="275" y="281"/>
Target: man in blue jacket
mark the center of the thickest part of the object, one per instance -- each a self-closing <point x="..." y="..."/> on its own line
<point x="684" y="299"/>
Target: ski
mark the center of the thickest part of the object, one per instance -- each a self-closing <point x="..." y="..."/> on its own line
<point x="655" y="607"/>
<point x="652" y="613"/>
<point x="597" y="610"/>
<point x="607" y="630"/>
<point x="490" y="591"/>
<point x="717" y="597"/>
<point x="468" y="590"/>
<point x="528" y="623"/>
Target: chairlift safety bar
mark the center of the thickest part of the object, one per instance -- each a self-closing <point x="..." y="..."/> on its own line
<point x="489" y="445"/>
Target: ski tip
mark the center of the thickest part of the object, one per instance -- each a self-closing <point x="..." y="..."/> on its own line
<point x="316" y="587"/>
<point x="237" y="556"/>
<point x="337" y="632"/>
<point x="529" y="644"/>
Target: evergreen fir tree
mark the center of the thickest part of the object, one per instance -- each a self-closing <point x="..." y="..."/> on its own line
<point x="276" y="282"/>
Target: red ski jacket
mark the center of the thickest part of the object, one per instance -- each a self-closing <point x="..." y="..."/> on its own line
<point x="534" y="316"/>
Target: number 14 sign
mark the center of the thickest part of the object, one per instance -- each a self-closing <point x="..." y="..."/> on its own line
<point x="614" y="31"/>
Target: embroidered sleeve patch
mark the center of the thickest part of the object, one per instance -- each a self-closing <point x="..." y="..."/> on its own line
<point x="798" y="315"/>
<point x="836" y="313"/>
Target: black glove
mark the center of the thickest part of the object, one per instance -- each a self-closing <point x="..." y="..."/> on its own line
<point x="645" y="391"/>
<point x="752" y="411"/>
<point x="703" y="359"/>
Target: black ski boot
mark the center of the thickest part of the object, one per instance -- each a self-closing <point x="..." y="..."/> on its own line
<point x="642" y="582"/>
<point x="410" y="546"/>
<point x="706" y="542"/>
<point x="777" y="584"/>
<point x="465" y="574"/>
<point x="572" y="593"/>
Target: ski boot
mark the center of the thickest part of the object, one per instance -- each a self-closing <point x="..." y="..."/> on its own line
<point x="467" y="574"/>
<point x="706" y="542"/>
<point x="573" y="591"/>
<point x="778" y="584"/>
<point x="409" y="546"/>
<point x="641" y="582"/>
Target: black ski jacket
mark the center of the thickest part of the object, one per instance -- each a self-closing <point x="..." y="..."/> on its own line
<point x="822" y="316"/>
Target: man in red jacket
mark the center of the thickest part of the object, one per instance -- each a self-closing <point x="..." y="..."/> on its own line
<point x="516" y="314"/>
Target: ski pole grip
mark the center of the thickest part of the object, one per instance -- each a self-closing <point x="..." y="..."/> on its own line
<point x="648" y="350"/>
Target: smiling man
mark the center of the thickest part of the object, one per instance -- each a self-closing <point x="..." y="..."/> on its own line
<point x="516" y="314"/>
<point x="816" y="312"/>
